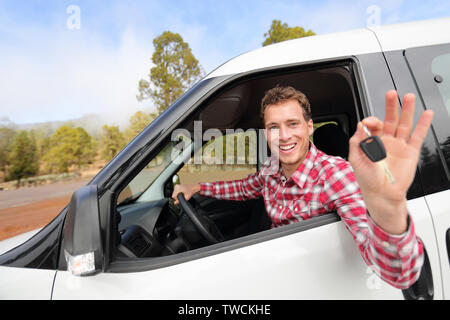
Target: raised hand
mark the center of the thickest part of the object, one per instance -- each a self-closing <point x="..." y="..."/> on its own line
<point x="385" y="201"/>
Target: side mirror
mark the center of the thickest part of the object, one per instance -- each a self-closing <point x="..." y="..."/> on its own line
<point x="83" y="249"/>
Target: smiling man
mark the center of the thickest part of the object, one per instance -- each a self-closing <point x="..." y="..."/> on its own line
<point x="286" y="114"/>
<point x="299" y="181"/>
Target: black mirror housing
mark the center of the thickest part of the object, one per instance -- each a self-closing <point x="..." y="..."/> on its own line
<point x="83" y="248"/>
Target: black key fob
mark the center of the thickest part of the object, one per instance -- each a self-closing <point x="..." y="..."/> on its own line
<point x="373" y="148"/>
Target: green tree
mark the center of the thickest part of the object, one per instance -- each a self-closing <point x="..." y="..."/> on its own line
<point x="111" y="141"/>
<point x="6" y="139"/>
<point x="69" y="146"/>
<point x="23" y="157"/>
<point x="138" y="122"/>
<point x="175" y="70"/>
<point x="281" y="31"/>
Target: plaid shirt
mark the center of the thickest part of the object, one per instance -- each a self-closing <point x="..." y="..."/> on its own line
<point x="321" y="184"/>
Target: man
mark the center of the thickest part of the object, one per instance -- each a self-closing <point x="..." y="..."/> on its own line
<point x="301" y="181"/>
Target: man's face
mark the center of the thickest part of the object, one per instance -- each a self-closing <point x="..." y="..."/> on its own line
<point x="287" y="132"/>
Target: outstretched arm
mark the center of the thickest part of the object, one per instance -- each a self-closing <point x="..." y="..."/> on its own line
<point x="247" y="188"/>
<point x="385" y="201"/>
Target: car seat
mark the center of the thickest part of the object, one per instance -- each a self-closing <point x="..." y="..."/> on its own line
<point x="331" y="139"/>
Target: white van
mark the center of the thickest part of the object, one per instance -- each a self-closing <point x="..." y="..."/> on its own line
<point x="123" y="233"/>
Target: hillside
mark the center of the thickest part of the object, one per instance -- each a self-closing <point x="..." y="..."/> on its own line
<point x="92" y="123"/>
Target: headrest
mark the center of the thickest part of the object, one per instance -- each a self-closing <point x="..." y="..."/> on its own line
<point x="331" y="139"/>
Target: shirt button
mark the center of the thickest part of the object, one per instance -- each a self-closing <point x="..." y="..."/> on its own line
<point x="407" y="248"/>
<point x="385" y="244"/>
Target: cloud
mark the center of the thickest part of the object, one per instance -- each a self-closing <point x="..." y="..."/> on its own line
<point x="70" y="74"/>
<point x="49" y="72"/>
<point x="52" y="73"/>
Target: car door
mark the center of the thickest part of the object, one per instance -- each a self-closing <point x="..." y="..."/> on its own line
<point x="25" y="283"/>
<point x="429" y="67"/>
<point x="17" y="283"/>
<point x="390" y="70"/>
<point x="285" y="267"/>
<point x="28" y="263"/>
<point x="313" y="259"/>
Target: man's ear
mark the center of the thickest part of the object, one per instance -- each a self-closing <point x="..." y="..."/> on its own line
<point x="310" y="125"/>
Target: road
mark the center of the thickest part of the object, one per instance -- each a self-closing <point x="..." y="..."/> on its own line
<point x="29" y="208"/>
<point x="26" y="209"/>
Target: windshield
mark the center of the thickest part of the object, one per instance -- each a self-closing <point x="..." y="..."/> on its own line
<point x="149" y="174"/>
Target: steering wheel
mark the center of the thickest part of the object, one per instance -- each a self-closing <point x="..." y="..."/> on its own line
<point x="203" y="223"/>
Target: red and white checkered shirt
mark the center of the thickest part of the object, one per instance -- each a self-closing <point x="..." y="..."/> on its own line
<point x="321" y="184"/>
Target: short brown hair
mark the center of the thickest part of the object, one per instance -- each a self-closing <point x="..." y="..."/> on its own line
<point x="280" y="94"/>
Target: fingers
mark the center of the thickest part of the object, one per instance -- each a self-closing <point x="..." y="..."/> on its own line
<point x="391" y="118"/>
<point x="393" y="126"/>
<point x="358" y="136"/>
<point x="406" y="120"/>
<point x="188" y="190"/>
<point x="175" y="193"/>
<point x="356" y="156"/>
<point x="399" y="127"/>
<point x="174" y="197"/>
<point x="374" y="125"/>
<point x="420" y="132"/>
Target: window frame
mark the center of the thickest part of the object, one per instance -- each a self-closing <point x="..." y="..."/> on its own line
<point x="357" y="87"/>
<point x="419" y="61"/>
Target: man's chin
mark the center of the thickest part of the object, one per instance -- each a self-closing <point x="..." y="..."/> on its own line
<point x="288" y="160"/>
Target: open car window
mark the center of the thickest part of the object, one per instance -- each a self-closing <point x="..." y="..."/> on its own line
<point x="224" y="157"/>
<point x="223" y="139"/>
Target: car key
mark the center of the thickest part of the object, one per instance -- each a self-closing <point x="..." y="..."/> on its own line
<point x="374" y="149"/>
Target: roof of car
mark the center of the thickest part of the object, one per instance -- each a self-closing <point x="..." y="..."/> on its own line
<point x="413" y="34"/>
<point x="340" y="44"/>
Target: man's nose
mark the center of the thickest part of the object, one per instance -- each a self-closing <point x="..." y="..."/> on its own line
<point x="284" y="133"/>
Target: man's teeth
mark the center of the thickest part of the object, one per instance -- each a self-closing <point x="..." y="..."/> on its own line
<point x="287" y="147"/>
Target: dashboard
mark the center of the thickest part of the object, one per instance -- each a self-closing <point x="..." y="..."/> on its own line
<point x="155" y="228"/>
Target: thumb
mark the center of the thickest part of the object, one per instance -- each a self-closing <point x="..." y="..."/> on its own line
<point x="174" y="196"/>
<point x="359" y="134"/>
<point x="355" y="140"/>
<point x="356" y="156"/>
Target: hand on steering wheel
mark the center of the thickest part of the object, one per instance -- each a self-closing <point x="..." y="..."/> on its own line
<point x="203" y="223"/>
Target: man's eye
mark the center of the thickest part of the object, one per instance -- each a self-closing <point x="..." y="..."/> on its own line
<point x="293" y="124"/>
<point x="273" y="127"/>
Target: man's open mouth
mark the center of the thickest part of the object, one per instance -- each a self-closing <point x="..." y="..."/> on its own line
<point x="287" y="147"/>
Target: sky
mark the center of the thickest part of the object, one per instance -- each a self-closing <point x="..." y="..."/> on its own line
<point x="60" y="60"/>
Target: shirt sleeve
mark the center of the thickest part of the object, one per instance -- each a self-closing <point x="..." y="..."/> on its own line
<point x="397" y="259"/>
<point x="239" y="190"/>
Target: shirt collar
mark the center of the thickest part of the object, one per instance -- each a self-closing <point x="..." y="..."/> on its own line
<point x="301" y="174"/>
<point x="271" y="167"/>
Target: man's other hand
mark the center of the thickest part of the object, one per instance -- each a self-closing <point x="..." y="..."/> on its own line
<point x="187" y="189"/>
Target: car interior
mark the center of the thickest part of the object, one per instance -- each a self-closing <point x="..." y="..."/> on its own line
<point x="152" y="226"/>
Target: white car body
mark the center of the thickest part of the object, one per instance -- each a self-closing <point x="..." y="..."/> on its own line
<point x="316" y="263"/>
